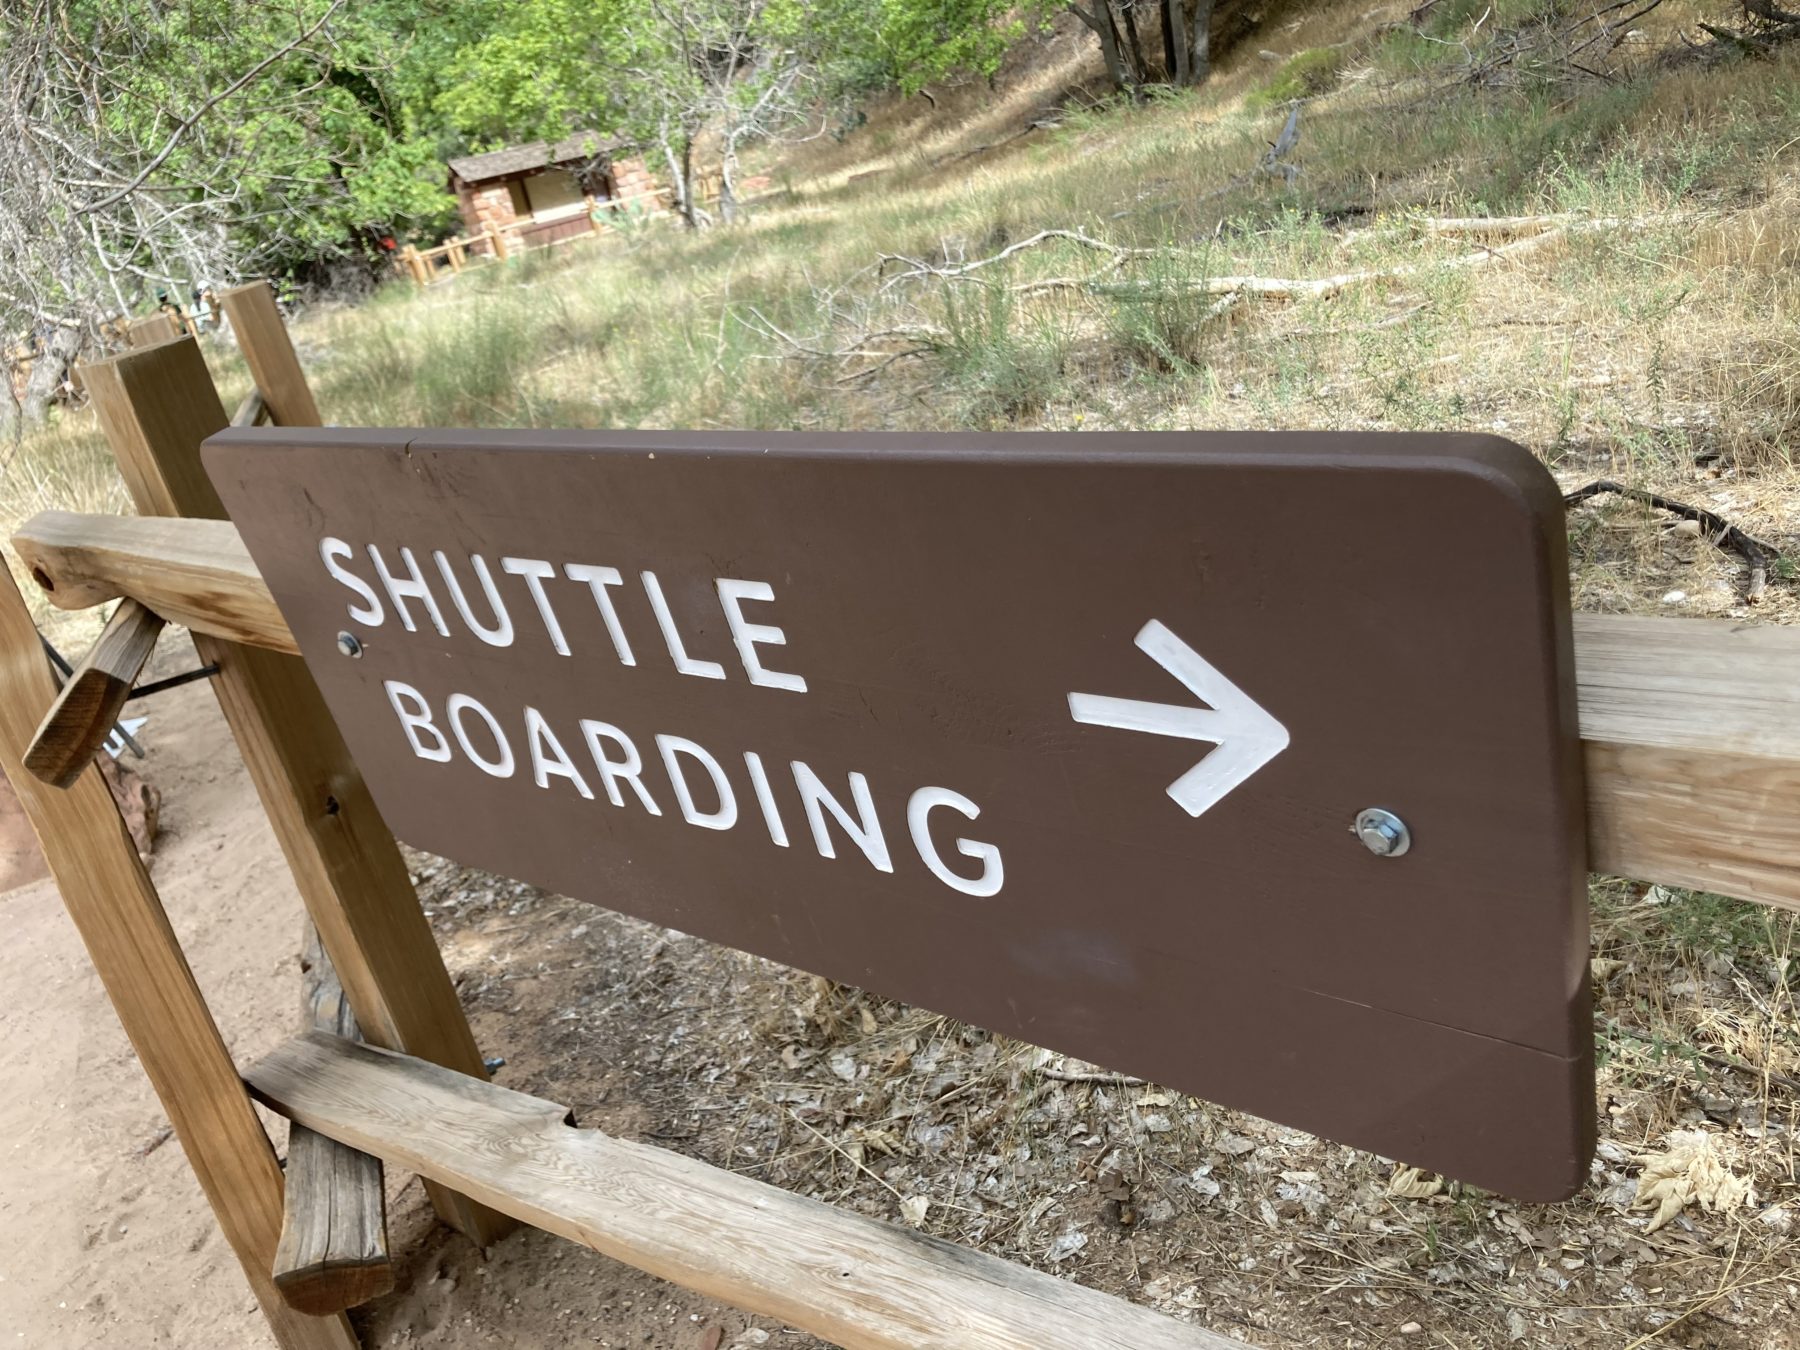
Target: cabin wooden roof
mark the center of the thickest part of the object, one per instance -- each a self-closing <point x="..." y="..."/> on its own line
<point x="519" y="159"/>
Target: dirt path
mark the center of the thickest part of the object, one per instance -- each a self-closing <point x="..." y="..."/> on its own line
<point x="105" y="1238"/>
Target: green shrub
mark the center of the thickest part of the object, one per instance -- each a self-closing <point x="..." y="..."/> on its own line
<point x="1000" y="370"/>
<point x="1302" y="75"/>
<point x="1164" y="322"/>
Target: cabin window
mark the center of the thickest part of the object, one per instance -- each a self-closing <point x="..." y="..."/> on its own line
<point x="554" y="193"/>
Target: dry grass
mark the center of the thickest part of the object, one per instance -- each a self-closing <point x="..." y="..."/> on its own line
<point x="1664" y="355"/>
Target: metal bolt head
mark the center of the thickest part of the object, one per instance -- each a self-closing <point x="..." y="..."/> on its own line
<point x="1383" y="833"/>
<point x="348" y="645"/>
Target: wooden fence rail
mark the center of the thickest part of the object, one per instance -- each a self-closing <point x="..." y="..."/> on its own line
<point x="420" y="264"/>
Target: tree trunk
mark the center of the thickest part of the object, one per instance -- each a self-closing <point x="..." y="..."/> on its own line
<point x="1200" y="46"/>
<point x="1101" y="21"/>
<point x="49" y="368"/>
<point x="10" y="422"/>
<point x="1106" y="27"/>
<point x="695" y="213"/>
<point x="681" y="179"/>
<point x="1134" y="50"/>
<point x="1175" y="41"/>
<point x="728" y="207"/>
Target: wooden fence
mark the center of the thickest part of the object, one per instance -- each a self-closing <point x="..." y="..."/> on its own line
<point x="497" y="243"/>
<point x="1691" y="734"/>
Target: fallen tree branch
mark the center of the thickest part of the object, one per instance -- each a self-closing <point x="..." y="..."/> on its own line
<point x="1495" y="227"/>
<point x="1720" y="532"/>
<point x="887" y="360"/>
<point x="917" y="267"/>
<point x="1314" y="288"/>
<point x="1097" y="1078"/>
<point x="1406" y="315"/>
<point x="1767" y="9"/>
<point x="1280" y="288"/>
<point x="925" y="337"/>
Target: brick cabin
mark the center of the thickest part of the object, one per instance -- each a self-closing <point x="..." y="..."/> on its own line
<point x="547" y="188"/>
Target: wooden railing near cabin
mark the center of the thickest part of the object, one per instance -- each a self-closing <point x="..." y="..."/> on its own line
<point x="448" y="259"/>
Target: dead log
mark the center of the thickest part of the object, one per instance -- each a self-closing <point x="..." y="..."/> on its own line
<point x="1495" y="227"/>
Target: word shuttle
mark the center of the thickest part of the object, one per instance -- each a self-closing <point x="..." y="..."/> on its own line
<point x="1243" y="762"/>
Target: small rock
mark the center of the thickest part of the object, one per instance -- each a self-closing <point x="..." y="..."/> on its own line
<point x="1410" y="1328"/>
<point x="1675" y="598"/>
<point x="1720" y="1109"/>
<point x="1067" y="1245"/>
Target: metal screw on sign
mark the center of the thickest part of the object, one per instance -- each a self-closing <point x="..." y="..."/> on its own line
<point x="1383" y="833"/>
<point x="348" y="645"/>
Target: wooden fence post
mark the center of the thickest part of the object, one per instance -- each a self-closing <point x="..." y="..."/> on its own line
<point x="134" y="950"/>
<point x="497" y="237"/>
<point x="152" y="329"/>
<point x="416" y="265"/>
<point x="333" y="1252"/>
<point x="156" y="406"/>
<point x="269" y="352"/>
<point x="456" y="255"/>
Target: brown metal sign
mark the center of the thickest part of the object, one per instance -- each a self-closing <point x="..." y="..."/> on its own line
<point x="1245" y="763"/>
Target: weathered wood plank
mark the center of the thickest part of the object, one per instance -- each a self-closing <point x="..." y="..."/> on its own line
<point x="858" y="1282"/>
<point x="1693" y="753"/>
<point x="152" y="329"/>
<point x="269" y="352"/>
<point x="196" y="573"/>
<point x="253" y="411"/>
<point x="156" y="406"/>
<point x="1724" y="823"/>
<point x="134" y="950"/>
<point x="1692" y="726"/>
<point x="333" y="1252"/>
<point x="83" y="715"/>
<point x="1709" y="685"/>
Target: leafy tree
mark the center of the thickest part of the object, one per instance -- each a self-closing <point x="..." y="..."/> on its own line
<point x="543" y="68"/>
<point x="921" y="42"/>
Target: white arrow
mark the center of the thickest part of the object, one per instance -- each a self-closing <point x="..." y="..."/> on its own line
<point x="1245" y="735"/>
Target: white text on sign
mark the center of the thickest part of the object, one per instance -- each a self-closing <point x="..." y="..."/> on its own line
<point x="582" y="599"/>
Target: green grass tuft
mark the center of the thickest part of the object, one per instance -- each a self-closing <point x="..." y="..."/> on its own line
<point x="1303" y="75"/>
